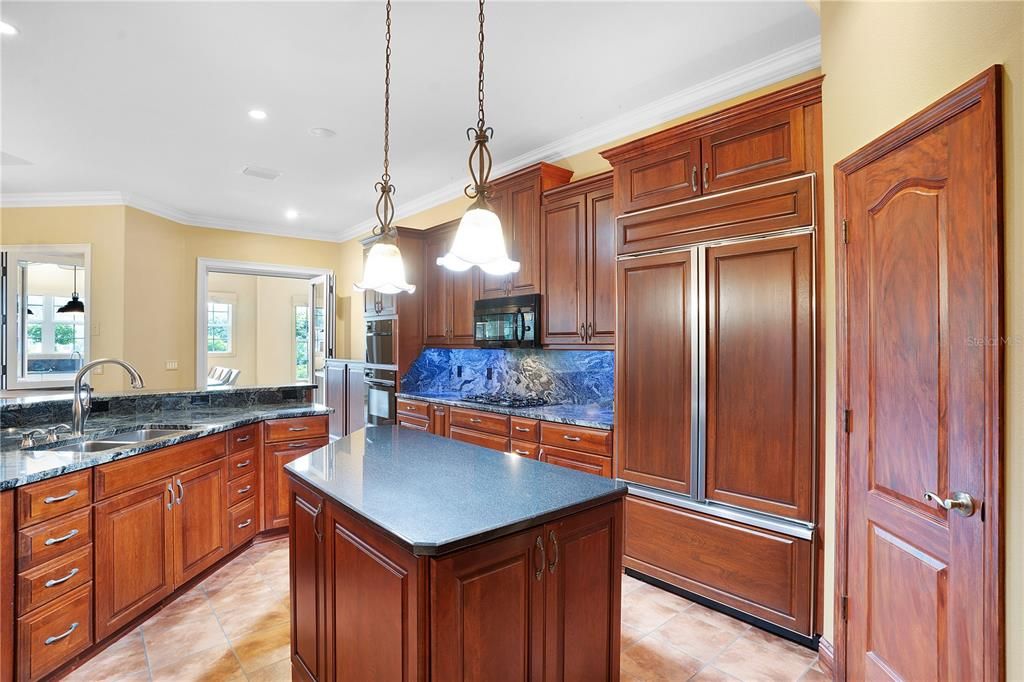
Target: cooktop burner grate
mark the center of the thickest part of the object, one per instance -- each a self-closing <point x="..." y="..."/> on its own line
<point x="506" y="400"/>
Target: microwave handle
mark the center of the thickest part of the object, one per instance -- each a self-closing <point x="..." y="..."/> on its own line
<point x="515" y="327"/>
<point x="522" y="327"/>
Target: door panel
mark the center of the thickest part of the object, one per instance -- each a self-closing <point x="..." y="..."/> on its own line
<point x="524" y="236"/>
<point x="275" y="480"/>
<point x="922" y="264"/>
<point x="200" y="519"/>
<point x="771" y="146"/>
<point x="306" y="558"/>
<point x="564" y="306"/>
<point x="654" y="370"/>
<point x="436" y="297"/>
<point x="659" y="177"/>
<point x="463" y="295"/>
<point x="760" y="443"/>
<point x="601" y="266"/>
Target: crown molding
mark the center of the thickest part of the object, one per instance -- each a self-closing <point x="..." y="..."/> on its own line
<point x="37" y="199"/>
<point x="791" y="61"/>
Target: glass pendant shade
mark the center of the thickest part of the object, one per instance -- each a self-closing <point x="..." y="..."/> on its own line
<point x="479" y="241"/>
<point x="384" y="270"/>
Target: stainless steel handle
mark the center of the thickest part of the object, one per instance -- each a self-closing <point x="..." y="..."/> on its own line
<point x="170" y="491"/>
<point x="58" y="581"/>
<point x="243" y="439"/>
<point x="242" y="465"/>
<point x="298" y="428"/>
<point x="57" y="638"/>
<point x="181" y="491"/>
<point x="554" y="547"/>
<point x="693" y="179"/>
<point x="706" y="183"/>
<point x="961" y="502"/>
<point x="520" y="452"/>
<point x="522" y="429"/>
<point x="245" y="524"/>
<point x="543" y="560"/>
<point x="572" y="439"/>
<point x="474" y="420"/>
<point x="63" y="538"/>
<point x="242" y="491"/>
<point x="583" y="332"/>
<point x="590" y="331"/>
<point x="298" y="445"/>
<point x="51" y="500"/>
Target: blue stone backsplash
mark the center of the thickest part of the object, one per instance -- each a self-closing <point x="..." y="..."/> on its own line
<point x="560" y="377"/>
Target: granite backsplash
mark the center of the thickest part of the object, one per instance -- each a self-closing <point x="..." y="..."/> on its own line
<point x="560" y="377"/>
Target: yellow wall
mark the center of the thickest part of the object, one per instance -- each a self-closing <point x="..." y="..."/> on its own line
<point x="244" y="346"/>
<point x="275" y="327"/>
<point x="103" y="227"/>
<point x="350" y="338"/>
<point x="884" y="62"/>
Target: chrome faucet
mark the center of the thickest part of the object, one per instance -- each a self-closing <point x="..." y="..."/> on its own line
<point x="80" y="405"/>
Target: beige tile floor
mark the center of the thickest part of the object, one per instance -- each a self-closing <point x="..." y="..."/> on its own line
<point x="234" y="626"/>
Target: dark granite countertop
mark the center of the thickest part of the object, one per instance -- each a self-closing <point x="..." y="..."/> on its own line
<point x="32" y="399"/>
<point x="19" y="467"/>
<point x="594" y="415"/>
<point x="434" y="495"/>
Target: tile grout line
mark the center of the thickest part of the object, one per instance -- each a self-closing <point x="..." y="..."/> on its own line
<point x="231" y="644"/>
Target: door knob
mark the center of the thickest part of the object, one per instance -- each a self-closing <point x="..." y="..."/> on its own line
<point x="961" y="503"/>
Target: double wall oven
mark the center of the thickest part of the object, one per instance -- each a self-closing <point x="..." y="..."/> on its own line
<point x="381" y="373"/>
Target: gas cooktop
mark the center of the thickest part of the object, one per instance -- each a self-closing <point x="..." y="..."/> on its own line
<point x="506" y="400"/>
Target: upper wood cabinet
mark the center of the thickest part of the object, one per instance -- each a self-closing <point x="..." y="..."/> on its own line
<point x="578" y="264"/>
<point x="764" y="139"/>
<point x="376" y="304"/>
<point x="516" y="199"/>
<point x="447" y="296"/>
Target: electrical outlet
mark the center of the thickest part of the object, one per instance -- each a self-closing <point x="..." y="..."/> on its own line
<point x="458" y="371"/>
<point x="490" y="373"/>
<point x="171" y="365"/>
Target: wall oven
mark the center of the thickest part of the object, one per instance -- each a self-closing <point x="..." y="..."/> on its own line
<point x="380" y="342"/>
<point x="380" y="396"/>
<point x="510" y="322"/>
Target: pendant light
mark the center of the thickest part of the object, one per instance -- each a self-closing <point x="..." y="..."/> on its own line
<point x="384" y="270"/>
<point x="479" y="240"/>
<point x="74" y="305"/>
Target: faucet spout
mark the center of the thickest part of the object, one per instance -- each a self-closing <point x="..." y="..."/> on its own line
<point x="81" y="404"/>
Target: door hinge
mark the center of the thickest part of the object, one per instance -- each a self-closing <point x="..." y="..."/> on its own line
<point x="848" y="421"/>
<point x="844" y="607"/>
<point x="846" y="231"/>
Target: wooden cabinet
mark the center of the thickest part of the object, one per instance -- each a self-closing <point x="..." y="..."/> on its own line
<point x="200" y="519"/>
<point x="573" y="459"/>
<point x="447" y="296"/>
<point x="128" y="580"/>
<point x="768" y="147"/>
<point x="54" y="634"/>
<point x="516" y="200"/>
<point x="484" y="440"/>
<point x="307" y="579"/>
<point x="275" y="456"/>
<point x="659" y="176"/>
<point x="7" y="637"/>
<point x="54" y="497"/>
<point x="578" y="264"/>
<point x="439" y="419"/>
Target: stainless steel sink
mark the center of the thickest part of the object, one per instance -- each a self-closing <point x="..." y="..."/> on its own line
<point x="141" y="435"/>
<point x="90" y="446"/>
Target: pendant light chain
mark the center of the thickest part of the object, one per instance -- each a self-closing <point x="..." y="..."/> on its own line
<point x="385" y="204"/>
<point x="480" y="124"/>
<point x="480" y="156"/>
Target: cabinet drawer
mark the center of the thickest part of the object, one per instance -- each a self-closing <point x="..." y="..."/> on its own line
<point x="126" y="474"/>
<point x="580" y="461"/>
<point x="47" y="499"/>
<point x="762" y="573"/>
<point x="484" y="440"/>
<point x="51" y="636"/>
<point x="43" y="584"/>
<point x="413" y="408"/>
<point x="51" y="539"/>
<point x="242" y="522"/>
<point x="579" y="438"/>
<point x="488" y="422"/>
<point x="277" y="430"/>
<point x="524" y="448"/>
<point x="242" y="439"/>
<point x="241" y="488"/>
<point x="241" y="464"/>
<point x="524" y="429"/>
<point x="414" y="423"/>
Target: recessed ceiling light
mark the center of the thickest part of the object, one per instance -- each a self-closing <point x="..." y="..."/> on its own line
<point x="291" y="214"/>
<point x="257" y="114"/>
<point x="7" y="30"/>
<point x="322" y="132"/>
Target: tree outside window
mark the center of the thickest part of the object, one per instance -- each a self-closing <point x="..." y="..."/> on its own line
<point x="219" y="326"/>
<point x="301" y="317"/>
<point x="48" y="332"/>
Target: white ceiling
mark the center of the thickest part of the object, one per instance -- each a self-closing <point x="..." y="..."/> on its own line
<point x="149" y="99"/>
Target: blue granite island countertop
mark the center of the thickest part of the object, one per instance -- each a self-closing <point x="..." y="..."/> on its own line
<point x="23" y="466"/>
<point x="594" y="415"/>
<point x="433" y="495"/>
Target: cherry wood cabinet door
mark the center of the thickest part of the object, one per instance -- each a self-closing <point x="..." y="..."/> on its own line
<point x="654" y="370"/>
<point x="760" y="441"/>
<point x="660" y="176"/>
<point x="463" y="295"/>
<point x="564" y="309"/>
<point x="306" y="575"/>
<point x="770" y="146"/>
<point x="200" y="519"/>
<point x="600" y="267"/>
<point x="522" y="231"/>
<point x="487" y="611"/>
<point x="275" y="480"/>
<point x="436" y="296"/>
<point x="7" y="585"/>
<point x="582" y="595"/>
<point x="922" y="324"/>
<point x="134" y="554"/>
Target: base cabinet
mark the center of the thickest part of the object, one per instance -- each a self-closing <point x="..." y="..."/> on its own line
<point x="275" y="456"/>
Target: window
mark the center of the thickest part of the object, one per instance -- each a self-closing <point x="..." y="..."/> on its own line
<point x="48" y="332"/>
<point x="301" y="318"/>
<point x="220" y="320"/>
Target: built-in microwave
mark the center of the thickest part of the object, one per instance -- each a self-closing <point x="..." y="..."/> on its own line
<point x="510" y="322"/>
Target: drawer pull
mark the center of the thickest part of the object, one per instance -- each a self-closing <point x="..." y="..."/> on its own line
<point x="523" y="429"/>
<point x="242" y="491"/>
<point x="245" y="524"/>
<point x="474" y="420"/>
<point x="298" y="445"/>
<point x="51" y="500"/>
<point x="57" y="638"/>
<point x="243" y="439"/>
<point x="58" y="581"/>
<point x="63" y="538"/>
<point x="521" y="452"/>
<point x="411" y="408"/>
<point x="574" y="439"/>
<point x="242" y="465"/>
<point x="298" y="428"/>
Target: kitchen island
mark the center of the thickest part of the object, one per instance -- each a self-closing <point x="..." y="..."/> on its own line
<point x="417" y="557"/>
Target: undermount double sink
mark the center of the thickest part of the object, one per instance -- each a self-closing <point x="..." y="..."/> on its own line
<point x="119" y="440"/>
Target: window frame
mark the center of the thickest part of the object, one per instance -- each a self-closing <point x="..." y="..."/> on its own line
<point x="230" y="300"/>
